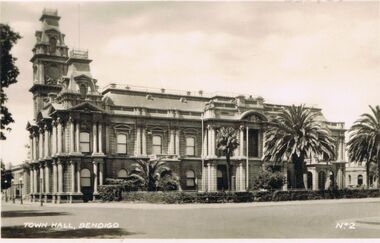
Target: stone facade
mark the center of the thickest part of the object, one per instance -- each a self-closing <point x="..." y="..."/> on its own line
<point x="79" y="135"/>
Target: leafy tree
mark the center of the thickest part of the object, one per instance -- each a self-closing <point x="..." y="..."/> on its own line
<point x="6" y="177"/>
<point x="227" y="142"/>
<point x="295" y="133"/>
<point x="8" y="72"/>
<point x="364" y="140"/>
<point x="149" y="173"/>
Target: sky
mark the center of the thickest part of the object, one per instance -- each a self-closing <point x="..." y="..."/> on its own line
<point x="320" y="53"/>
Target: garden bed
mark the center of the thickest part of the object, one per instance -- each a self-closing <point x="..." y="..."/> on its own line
<point x="116" y="193"/>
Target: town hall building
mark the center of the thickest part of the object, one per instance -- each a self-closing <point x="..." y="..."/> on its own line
<point x="81" y="135"/>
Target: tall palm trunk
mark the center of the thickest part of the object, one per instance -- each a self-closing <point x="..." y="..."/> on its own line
<point x="228" y="172"/>
<point x="299" y="171"/>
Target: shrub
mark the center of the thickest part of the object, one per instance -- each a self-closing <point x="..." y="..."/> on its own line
<point x="168" y="183"/>
<point x="110" y="192"/>
<point x="268" y="180"/>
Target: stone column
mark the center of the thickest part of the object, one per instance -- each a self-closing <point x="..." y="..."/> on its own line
<point x="285" y="173"/>
<point x="72" y="135"/>
<point x="59" y="135"/>
<point x="31" y="180"/>
<point x="95" y="168"/>
<point x="78" y="177"/>
<point x="47" y="178"/>
<point x="42" y="177"/>
<point x="177" y="148"/>
<point x="35" y="178"/>
<point x="144" y="141"/>
<point x="242" y="177"/>
<point x="54" y="138"/>
<point x="208" y="177"/>
<point x="213" y="178"/>
<point x="35" y="155"/>
<point x="212" y="141"/>
<point x="94" y="147"/>
<point x="46" y="140"/>
<point x="77" y="131"/>
<point x="100" y="173"/>
<point x="204" y="149"/>
<point x="171" y="142"/>
<point x="30" y="148"/>
<point x="315" y="179"/>
<point x="241" y="141"/>
<point x="60" y="181"/>
<point x="40" y="141"/>
<point x="100" y="140"/>
<point x="204" y="178"/>
<point x="138" y="141"/>
<point x="209" y="141"/>
<point x="238" y="178"/>
<point x="55" y="179"/>
<point x="72" y="183"/>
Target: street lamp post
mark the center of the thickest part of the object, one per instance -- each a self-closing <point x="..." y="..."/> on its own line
<point x="41" y="192"/>
<point x="21" y="190"/>
<point x="13" y="191"/>
<point x="6" y="194"/>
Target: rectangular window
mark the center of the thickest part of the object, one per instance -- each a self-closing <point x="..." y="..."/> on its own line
<point x="157" y="145"/>
<point x="253" y="143"/>
<point x="84" y="144"/>
<point x="122" y="144"/>
<point x="190" y="146"/>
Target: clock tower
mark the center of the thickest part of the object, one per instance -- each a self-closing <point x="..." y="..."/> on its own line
<point x="50" y="54"/>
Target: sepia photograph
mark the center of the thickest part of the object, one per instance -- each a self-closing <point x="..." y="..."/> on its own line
<point x="189" y="120"/>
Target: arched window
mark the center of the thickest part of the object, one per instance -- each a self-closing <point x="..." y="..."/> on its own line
<point x="190" y="178"/>
<point x="122" y="174"/>
<point x="360" y="180"/>
<point x="84" y="142"/>
<point x="85" y="178"/>
<point x="122" y="144"/>
<point x="190" y="146"/>
<point x="157" y="145"/>
<point x="53" y="45"/>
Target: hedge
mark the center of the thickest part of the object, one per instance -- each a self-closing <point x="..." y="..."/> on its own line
<point x="116" y="193"/>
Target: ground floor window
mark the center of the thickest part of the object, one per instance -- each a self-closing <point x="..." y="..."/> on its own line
<point x="190" y="178"/>
<point x="122" y="174"/>
<point x="360" y="180"/>
<point x="85" y="178"/>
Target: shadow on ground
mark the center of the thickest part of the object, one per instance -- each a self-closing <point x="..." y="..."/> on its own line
<point x="22" y="232"/>
<point x="30" y="213"/>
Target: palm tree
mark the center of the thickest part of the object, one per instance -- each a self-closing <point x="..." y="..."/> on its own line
<point x="364" y="141"/>
<point x="149" y="173"/>
<point x="294" y="134"/>
<point x="227" y="142"/>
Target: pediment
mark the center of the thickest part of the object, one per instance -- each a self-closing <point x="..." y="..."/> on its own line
<point x="86" y="106"/>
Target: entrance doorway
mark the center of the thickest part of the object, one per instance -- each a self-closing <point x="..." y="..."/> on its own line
<point x="222" y="183"/>
<point x="85" y="184"/>
<point x="309" y="180"/>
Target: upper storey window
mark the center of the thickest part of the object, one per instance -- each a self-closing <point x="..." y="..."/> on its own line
<point x="190" y="146"/>
<point x="84" y="142"/>
<point x="121" y="144"/>
<point x="157" y="145"/>
<point x="83" y="91"/>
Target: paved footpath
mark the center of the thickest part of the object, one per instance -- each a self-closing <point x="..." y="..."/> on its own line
<point x="344" y="218"/>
